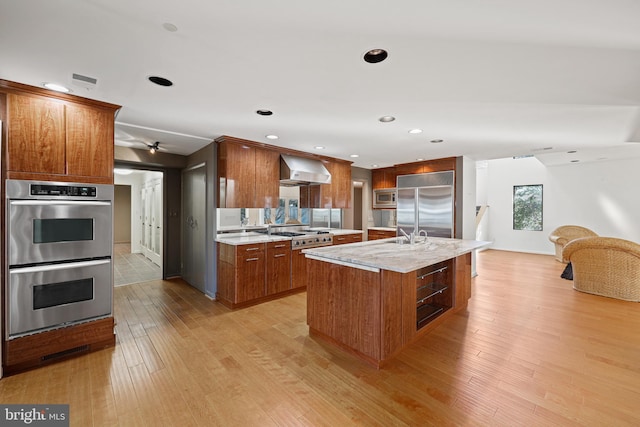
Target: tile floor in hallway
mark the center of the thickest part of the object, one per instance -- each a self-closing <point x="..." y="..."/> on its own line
<point x="131" y="268"/>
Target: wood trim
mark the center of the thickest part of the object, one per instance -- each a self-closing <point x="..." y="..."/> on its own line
<point x="41" y="349"/>
<point x="58" y="178"/>
<point x="281" y="150"/>
<point x="23" y="89"/>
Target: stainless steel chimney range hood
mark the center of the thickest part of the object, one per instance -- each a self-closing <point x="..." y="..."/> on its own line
<point x="302" y="171"/>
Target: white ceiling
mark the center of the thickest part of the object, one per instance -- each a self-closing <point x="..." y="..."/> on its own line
<point x="492" y="78"/>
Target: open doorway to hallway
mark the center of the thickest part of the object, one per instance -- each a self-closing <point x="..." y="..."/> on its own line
<point x="138" y="227"/>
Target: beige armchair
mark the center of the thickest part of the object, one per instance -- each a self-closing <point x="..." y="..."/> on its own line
<point x="566" y="233"/>
<point x="605" y="266"/>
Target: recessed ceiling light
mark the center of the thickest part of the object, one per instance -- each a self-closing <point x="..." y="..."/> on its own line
<point x="436" y="141"/>
<point x="415" y="131"/>
<point x="56" y="87"/>
<point x="572" y="152"/>
<point x="160" y="81"/>
<point x="374" y="166"/>
<point x="575" y="161"/>
<point x="263" y="112"/>
<point x="319" y="147"/>
<point x="386" y="119"/>
<point x="375" y="55"/>
<point x="170" y="27"/>
<point x="271" y="136"/>
<point x="419" y="159"/>
<point x="354" y="155"/>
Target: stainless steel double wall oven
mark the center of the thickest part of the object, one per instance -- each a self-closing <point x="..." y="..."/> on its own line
<point x="59" y="254"/>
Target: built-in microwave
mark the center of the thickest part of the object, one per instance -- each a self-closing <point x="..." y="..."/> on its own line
<point x="384" y="198"/>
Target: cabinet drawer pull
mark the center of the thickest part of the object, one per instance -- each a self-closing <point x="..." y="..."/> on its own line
<point x="279" y="255"/>
<point x="341" y="238"/>
<point x="252" y="249"/>
<point x="280" y="246"/>
<point x="252" y="259"/>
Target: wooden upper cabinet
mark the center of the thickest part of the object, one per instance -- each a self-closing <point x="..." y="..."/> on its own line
<point x="409" y="169"/>
<point x="340" y="184"/>
<point x="53" y="136"/>
<point x="334" y="195"/>
<point x="35" y="135"/>
<point x="267" y="178"/>
<point x="89" y="142"/>
<point x="237" y="172"/>
<point x="383" y="178"/>
<point x="249" y="177"/>
<point x="386" y="177"/>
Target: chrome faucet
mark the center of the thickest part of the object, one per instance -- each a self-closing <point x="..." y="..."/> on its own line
<point x="425" y="235"/>
<point x="411" y="238"/>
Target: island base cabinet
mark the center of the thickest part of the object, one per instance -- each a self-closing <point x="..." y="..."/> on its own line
<point x="375" y="315"/>
<point x="433" y="292"/>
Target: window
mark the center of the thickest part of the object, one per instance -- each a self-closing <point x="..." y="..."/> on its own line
<point x="527" y="207"/>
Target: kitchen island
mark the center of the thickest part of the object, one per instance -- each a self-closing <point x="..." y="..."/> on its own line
<point x="374" y="298"/>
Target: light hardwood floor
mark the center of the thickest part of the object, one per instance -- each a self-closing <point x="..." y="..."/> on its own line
<point x="529" y="351"/>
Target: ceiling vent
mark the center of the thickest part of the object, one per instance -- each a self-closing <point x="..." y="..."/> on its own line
<point x="84" y="81"/>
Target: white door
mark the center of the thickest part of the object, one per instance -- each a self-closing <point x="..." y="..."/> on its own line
<point x="155" y="222"/>
<point x="151" y="217"/>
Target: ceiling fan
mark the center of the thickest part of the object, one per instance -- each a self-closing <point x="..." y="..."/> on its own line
<point x="153" y="147"/>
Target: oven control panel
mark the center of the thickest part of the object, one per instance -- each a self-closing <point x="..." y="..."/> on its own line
<point x="62" y="190"/>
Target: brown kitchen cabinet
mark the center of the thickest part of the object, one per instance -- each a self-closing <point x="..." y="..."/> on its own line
<point x="241" y="272"/>
<point x="340" y="184"/>
<point x="254" y="273"/>
<point x="343" y="239"/>
<point x="386" y="177"/>
<point x="56" y="137"/>
<point x="278" y="270"/>
<point x="298" y="270"/>
<point x="383" y="178"/>
<point x="267" y="178"/>
<point x="248" y="176"/>
<point x="334" y="195"/>
<point x="380" y="234"/>
<point x="89" y="142"/>
<point x="250" y="269"/>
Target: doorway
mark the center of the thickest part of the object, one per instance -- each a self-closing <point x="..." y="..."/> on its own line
<point x="137" y="226"/>
<point x="194" y="230"/>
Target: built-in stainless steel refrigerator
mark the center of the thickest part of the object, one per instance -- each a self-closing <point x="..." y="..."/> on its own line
<point x="425" y="202"/>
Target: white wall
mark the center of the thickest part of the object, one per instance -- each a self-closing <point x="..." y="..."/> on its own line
<point x="596" y="195"/>
<point x="135" y="181"/>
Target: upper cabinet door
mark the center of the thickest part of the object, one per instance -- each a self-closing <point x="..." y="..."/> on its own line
<point x="340" y="184"/>
<point x="267" y="178"/>
<point x="237" y="170"/>
<point x="89" y="142"/>
<point x="36" y="135"/>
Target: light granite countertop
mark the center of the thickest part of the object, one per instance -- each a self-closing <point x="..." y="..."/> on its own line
<point x="337" y="231"/>
<point x="383" y="228"/>
<point x="248" y="238"/>
<point x="251" y="237"/>
<point x="393" y="254"/>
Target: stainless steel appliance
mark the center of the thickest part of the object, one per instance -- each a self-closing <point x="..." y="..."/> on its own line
<point x="385" y="198"/>
<point x="59" y="254"/>
<point x="425" y="203"/>
<point x="303" y="237"/>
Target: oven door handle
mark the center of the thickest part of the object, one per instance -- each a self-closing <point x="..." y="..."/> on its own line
<point x="58" y="202"/>
<point x="61" y="266"/>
